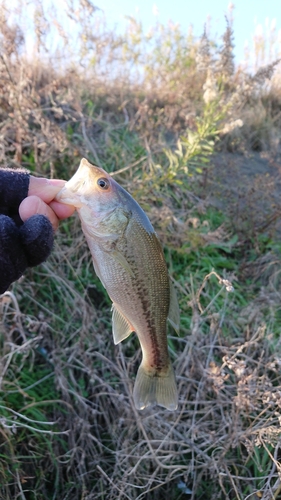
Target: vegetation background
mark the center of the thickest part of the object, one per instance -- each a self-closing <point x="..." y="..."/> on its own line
<point x="197" y="142"/>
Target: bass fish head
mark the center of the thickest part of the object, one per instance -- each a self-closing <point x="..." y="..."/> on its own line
<point x="91" y="186"/>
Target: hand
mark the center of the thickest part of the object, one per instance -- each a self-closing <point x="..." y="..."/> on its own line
<point x="40" y="200"/>
<point x="28" y="244"/>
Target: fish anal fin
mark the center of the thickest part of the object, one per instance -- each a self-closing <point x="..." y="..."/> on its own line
<point x="155" y="388"/>
<point x="174" y="310"/>
<point x="121" y="328"/>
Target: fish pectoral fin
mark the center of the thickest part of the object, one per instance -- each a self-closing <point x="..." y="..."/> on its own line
<point x="174" y="310"/>
<point x="122" y="261"/>
<point x="121" y="328"/>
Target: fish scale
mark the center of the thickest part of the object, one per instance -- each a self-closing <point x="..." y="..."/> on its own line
<point x="129" y="261"/>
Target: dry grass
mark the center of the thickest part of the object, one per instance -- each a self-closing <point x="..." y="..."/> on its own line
<point x="68" y="426"/>
<point x="50" y="111"/>
<point x="229" y="403"/>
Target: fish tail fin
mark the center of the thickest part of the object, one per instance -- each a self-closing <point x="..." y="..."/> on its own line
<point x="158" y="387"/>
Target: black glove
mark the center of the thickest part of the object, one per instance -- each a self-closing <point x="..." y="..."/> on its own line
<point x="25" y="244"/>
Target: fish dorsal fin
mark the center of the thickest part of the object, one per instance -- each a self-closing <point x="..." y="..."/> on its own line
<point x="121" y="328"/>
<point x="174" y="310"/>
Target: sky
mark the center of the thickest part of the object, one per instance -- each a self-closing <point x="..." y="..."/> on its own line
<point x="250" y="17"/>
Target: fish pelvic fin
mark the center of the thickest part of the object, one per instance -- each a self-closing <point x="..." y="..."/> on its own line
<point x="174" y="310"/>
<point x="121" y="328"/>
<point x="157" y="388"/>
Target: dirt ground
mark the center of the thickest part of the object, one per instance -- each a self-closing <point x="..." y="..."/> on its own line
<point x="248" y="187"/>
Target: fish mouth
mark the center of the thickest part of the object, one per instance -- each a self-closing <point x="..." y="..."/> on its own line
<point x="77" y="186"/>
<point x="68" y="197"/>
<point x="86" y="166"/>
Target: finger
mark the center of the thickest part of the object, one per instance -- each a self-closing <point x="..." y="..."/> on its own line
<point x="62" y="211"/>
<point x="33" y="205"/>
<point x="46" y="189"/>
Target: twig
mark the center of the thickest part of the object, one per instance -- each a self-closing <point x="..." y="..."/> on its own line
<point x="110" y="481"/>
<point x="88" y="142"/>
<point x="124" y="169"/>
<point x="226" y="283"/>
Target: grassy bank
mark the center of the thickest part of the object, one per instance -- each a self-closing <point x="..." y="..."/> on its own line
<point x="152" y="110"/>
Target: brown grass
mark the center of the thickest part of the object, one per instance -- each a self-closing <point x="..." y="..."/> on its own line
<point x="68" y="425"/>
<point x="229" y="403"/>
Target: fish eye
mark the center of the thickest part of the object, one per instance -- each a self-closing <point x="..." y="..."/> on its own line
<point x="103" y="183"/>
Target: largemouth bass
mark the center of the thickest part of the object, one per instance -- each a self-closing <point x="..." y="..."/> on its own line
<point x="129" y="261"/>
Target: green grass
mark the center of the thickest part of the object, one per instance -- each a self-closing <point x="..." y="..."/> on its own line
<point x="73" y="377"/>
<point x="76" y="427"/>
<point x="68" y="426"/>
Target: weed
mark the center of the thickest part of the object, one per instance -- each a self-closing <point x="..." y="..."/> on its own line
<point x="152" y="109"/>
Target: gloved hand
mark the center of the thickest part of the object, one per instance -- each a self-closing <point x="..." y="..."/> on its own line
<point x="26" y="244"/>
<point x="23" y="246"/>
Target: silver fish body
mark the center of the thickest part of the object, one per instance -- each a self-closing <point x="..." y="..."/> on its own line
<point x="129" y="261"/>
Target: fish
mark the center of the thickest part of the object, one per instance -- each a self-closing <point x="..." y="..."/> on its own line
<point x="129" y="261"/>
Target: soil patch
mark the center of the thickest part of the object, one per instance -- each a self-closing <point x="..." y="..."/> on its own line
<point x="248" y="187"/>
